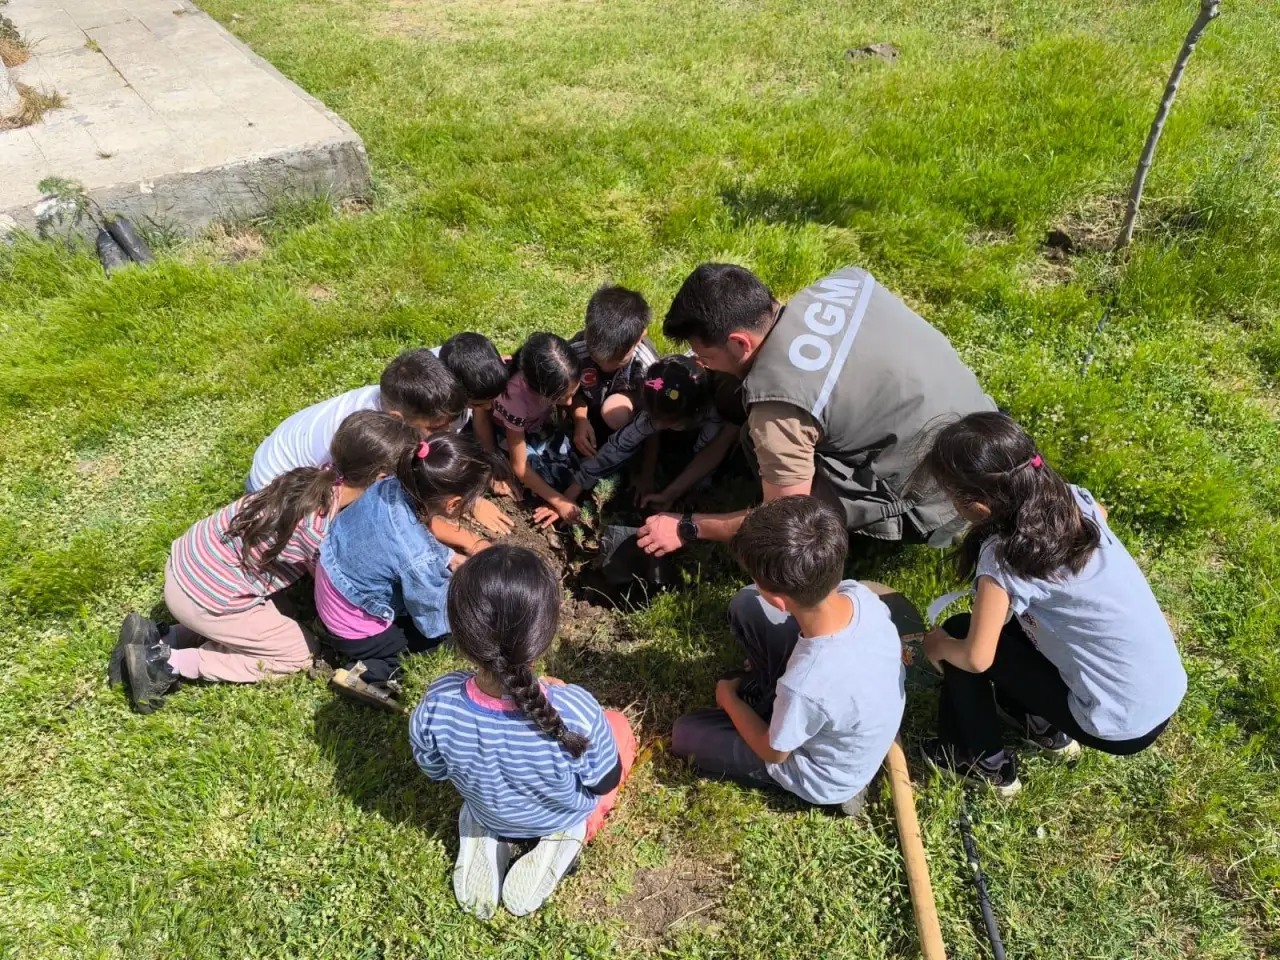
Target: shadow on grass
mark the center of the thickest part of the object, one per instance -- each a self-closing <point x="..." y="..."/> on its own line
<point x="374" y="767"/>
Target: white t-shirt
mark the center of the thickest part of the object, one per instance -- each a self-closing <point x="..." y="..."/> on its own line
<point x="303" y="439"/>
<point x="839" y="704"/>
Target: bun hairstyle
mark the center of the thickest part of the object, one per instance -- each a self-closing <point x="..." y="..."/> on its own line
<point x="447" y="465"/>
<point x="988" y="459"/>
<point x="676" y="389"/>
<point x="549" y="365"/>
<point x="504" y="609"/>
<point x="365" y="446"/>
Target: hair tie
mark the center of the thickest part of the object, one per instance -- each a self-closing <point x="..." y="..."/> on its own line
<point x="423" y="449"/>
<point x="1035" y="463"/>
<point x="654" y="384"/>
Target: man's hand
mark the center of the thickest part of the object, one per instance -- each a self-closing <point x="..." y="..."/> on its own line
<point x="937" y="642"/>
<point x="501" y="488"/>
<point x="660" y="501"/>
<point x="490" y="516"/>
<point x="659" y="535"/>
<point x="548" y="514"/>
<point x="584" y="436"/>
<point x="727" y="691"/>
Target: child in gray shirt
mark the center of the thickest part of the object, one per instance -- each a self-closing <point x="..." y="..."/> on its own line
<point x="824" y="689"/>
<point x="1065" y="630"/>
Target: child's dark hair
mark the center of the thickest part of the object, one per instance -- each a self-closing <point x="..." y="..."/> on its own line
<point x="444" y="466"/>
<point x="417" y="384"/>
<point x="616" y="319"/>
<point x="477" y="364"/>
<point x="986" y="458"/>
<point x="795" y="546"/>
<point x="367" y="444"/>
<point x="504" y="608"/>
<point x="676" y="389"/>
<point x="549" y="365"/>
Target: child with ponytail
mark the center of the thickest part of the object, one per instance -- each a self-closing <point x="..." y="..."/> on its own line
<point x="382" y="575"/>
<point x="1066" y="639"/>
<point x="224" y="576"/>
<point x="533" y="758"/>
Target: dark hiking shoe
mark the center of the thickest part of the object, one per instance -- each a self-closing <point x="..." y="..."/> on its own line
<point x="999" y="771"/>
<point x="1039" y="733"/>
<point x="854" y="806"/>
<point x="136" y="630"/>
<point x="350" y="684"/>
<point x="145" y="668"/>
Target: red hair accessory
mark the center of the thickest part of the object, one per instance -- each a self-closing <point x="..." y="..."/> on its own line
<point x="1036" y="462"/>
<point x="423" y="449"/>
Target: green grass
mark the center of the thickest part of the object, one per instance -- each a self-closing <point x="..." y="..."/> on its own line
<point x="525" y="151"/>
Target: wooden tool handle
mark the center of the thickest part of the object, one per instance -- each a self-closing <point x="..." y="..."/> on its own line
<point x="904" y="811"/>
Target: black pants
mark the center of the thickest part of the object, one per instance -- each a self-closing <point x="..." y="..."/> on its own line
<point x="1025" y="683"/>
<point x="381" y="653"/>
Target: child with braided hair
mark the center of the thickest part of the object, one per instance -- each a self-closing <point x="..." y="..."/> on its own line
<point x="532" y="757"/>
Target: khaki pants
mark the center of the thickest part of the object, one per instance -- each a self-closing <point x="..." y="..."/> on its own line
<point x="242" y="647"/>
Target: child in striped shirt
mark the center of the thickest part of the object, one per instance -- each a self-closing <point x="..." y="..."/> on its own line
<point x="533" y="758"/>
<point x="224" y="577"/>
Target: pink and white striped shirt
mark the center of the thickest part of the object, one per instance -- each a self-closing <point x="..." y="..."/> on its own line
<point x="208" y="569"/>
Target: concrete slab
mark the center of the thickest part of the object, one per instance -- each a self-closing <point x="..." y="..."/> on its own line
<point x="168" y="120"/>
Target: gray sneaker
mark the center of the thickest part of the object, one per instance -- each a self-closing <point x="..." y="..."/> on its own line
<point x="481" y="867"/>
<point x="534" y="877"/>
<point x="854" y="806"/>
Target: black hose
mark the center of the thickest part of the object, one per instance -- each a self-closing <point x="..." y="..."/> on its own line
<point x="988" y="915"/>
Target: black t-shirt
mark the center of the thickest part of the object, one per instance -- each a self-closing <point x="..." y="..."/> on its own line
<point x="596" y="384"/>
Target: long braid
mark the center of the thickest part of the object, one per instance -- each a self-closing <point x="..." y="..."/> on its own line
<point x="518" y="680"/>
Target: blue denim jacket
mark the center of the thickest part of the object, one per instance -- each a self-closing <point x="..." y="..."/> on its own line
<point x="387" y="563"/>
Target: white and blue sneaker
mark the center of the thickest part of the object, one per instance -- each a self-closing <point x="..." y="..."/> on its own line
<point x="534" y="877"/>
<point x="482" y="863"/>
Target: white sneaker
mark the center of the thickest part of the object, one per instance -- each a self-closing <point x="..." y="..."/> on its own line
<point x="535" y="875"/>
<point x="482" y="863"/>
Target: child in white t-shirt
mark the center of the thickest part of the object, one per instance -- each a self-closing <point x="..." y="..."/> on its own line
<point x="825" y="686"/>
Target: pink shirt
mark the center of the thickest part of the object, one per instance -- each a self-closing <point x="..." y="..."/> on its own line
<point x="341" y="617"/>
<point x="519" y="408"/>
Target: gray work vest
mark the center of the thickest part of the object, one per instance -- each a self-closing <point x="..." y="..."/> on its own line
<point x="874" y="375"/>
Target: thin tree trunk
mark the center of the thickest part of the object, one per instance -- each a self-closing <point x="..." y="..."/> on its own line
<point x="1208" y="11"/>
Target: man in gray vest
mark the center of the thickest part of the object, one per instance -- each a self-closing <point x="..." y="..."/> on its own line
<point x="840" y="386"/>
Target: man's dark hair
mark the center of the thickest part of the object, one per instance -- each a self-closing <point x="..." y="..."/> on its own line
<point x="417" y="384"/>
<point x="795" y="546"/>
<point x="616" y="319"/>
<point x="477" y="364"/>
<point x="718" y="299"/>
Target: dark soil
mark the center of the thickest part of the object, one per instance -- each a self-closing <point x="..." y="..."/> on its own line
<point x="665" y="899"/>
<point x="884" y="51"/>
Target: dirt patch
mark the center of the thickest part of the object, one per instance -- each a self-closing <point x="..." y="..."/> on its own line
<point x="236" y="244"/>
<point x="319" y="293"/>
<point x="664" y="900"/>
<point x="882" y="51"/>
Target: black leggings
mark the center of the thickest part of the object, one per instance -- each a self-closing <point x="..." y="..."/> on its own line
<point x="381" y="653"/>
<point x="1026" y="683"/>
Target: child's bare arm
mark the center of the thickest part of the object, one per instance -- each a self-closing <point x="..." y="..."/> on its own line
<point x="560" y="506"/>
<point x="749" y="724"/>
<point x="482" y="424"/>
<point x="702" y="464"/>
<point x="452" y="535"/>
<point x="976" y="652"/>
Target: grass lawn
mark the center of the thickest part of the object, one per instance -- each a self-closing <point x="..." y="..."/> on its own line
<point x="525" y="151"/>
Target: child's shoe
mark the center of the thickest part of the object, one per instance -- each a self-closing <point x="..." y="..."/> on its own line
<point x="482" y="864"/>
<point x="350" y="683"/>
<point x="999" y="771"/>
<point x="136" y="630"/>
<point x="854" y="806"/>
<point x="145" y="668"/>
<point x="534" y="877"/>
<point x="1040" y="733"/>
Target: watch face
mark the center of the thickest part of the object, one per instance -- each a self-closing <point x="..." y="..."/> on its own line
<point x="687" y="531"/>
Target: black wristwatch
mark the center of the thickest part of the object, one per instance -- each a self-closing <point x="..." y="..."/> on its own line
<point x="686" y="529"/>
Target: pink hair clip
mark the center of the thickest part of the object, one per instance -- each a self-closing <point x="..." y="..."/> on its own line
<point x="654" y="384"/>
<point x="1036" y="462"/>
<point x="423" y="449"/>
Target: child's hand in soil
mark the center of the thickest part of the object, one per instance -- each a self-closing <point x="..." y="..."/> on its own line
<point x="645" y="484"/>
<point x="565" y="510"/>
<point x="490" y="516"/>
<point x="501" y="488"/>
<point x="584" y="437"/>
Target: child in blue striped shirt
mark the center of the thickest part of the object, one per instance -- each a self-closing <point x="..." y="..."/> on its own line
<point x="533" y="758"/>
